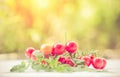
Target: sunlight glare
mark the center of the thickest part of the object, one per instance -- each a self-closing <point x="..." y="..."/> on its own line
<point x="87" y="12"/>
<point x="41" y="3"/>
<point x="35" y="36"/>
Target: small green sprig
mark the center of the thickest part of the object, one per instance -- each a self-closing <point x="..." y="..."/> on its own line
<point x="19" y="68"/>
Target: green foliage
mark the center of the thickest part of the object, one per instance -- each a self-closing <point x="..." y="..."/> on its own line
<point x="19" y="68"/>
<point x="51" y="68"/>
<point x="53" y="65"/>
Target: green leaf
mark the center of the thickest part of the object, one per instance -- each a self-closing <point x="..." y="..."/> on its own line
<point x="63" y="68"/>
<point x="36" y="66"/>
<point x="19" y="68"/>
<point x="38" y="55"/>
<point x="78" y="61"/>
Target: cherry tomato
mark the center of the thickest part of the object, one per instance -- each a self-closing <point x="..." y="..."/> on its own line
<point x="87" y="60"/>
<point x="71" y="47"/>
<point x="70" y="62"/>
<point x="99" y="63"/>
<point x="58" y="49"/>
<point x="62" y="60"/>
<point x="46" y="49"/>
<point x="29" y="51"/>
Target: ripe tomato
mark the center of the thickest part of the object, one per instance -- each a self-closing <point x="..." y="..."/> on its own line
<point x="71" y="47"/>
<point x="104" y="64"/>
<point x="62" y="60"/>
<point x="99" y="63"/>
<point x="46" y="49"/>
<point x="70" y="62"/>
<point x="58" y="49"/>
<point x="87" y="60"/>
<point x="29" y="51"/>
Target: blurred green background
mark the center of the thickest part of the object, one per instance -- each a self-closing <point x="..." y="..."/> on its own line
<point x="94" y="24"/>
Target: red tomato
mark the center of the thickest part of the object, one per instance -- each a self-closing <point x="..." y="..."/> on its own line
<point x="58" y="49"/>
<point x="70" y="62"/>
<point x="99" y="63"/>
<point x="71" y="47"/>
<point x="87" y="60"/>
<point x="29" y="51"/>
<point x="62" y="60"/>
<point x="104" y="64"/>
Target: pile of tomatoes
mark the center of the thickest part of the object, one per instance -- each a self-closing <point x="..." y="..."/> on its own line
<point x="59" y="49"/>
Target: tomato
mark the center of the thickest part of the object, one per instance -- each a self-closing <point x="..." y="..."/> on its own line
<point x="71" y="47"/>
<point x="46" y="49"/>
<point x="87" y="60"/>
<point x="62" y="60"/>
<point x="58" y="49"/>
<point x="99" y="63"/>
<point x="104" y="64"/>
<point x="29" y="51"/>
<point x="70" y="62"/>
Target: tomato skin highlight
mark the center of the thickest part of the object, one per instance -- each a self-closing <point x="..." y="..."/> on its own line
<point x="29" y="52"/>
<point x="71" y="47"/>
<point x="99" y="63"/>
<point x="58" y="49"/>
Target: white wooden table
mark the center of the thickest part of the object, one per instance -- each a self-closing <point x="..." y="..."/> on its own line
<point x="113" y="67"/>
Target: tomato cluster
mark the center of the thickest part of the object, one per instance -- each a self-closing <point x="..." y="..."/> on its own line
<point x="59" y="49"/>
<point x="96" y="62"/>
<point x="68" y="61"/>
